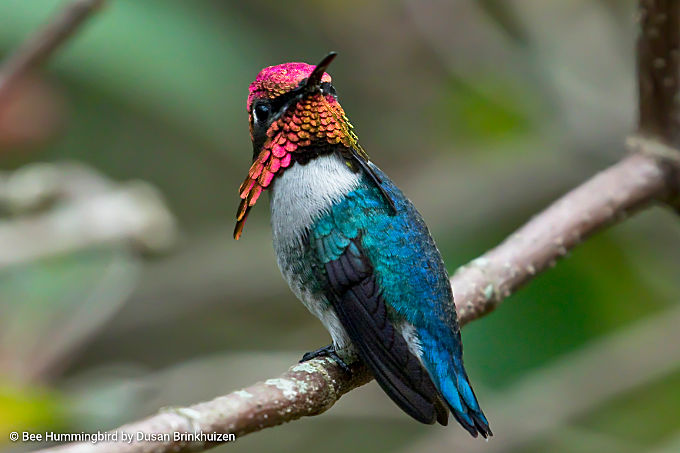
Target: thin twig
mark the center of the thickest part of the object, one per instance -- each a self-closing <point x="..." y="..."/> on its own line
<point x="37" y="49"/>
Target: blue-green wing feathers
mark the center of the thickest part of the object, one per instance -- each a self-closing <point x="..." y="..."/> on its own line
<point x="382" y="269"/>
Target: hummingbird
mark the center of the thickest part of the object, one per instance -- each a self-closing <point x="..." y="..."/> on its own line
<point x="353" y="248"/>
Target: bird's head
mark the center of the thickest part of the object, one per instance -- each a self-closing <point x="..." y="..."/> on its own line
<point x="294" y="113"/>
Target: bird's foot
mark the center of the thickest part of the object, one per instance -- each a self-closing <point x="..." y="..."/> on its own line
<point x="327" y="351"/>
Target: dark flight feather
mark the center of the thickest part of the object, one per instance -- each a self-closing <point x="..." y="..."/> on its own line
<point x="362" y="311"/>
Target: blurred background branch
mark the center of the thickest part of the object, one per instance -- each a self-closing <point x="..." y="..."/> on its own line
<point x="36" y="50"/>
<point x="60" y="209"/>
<point x="85" y="210"/>
<point x="64" y="209"/>
<point x="95" y="330"/>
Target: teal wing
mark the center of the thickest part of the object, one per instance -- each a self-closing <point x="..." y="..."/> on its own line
<point x="382" y="271"/>
<point x="358" y="302"/>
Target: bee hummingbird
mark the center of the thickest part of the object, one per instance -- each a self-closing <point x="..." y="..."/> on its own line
<point x="353" y="248"/>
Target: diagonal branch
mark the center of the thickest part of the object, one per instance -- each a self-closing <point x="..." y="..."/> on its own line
<point x="37" y="49"/>
<point x="608" y="197"/>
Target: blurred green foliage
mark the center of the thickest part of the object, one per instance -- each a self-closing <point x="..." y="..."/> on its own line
<point x="34" y="408"/>
<point x="487" y="110"/>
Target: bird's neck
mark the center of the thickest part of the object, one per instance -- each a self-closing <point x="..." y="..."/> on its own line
<point x="303" y="193"/>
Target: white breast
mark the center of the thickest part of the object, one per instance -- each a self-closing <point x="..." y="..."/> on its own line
<point x="304" y="192"/>
<point x="301" y="195"/>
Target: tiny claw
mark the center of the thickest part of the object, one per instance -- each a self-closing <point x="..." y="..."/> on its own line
<point x="327" y="351"/>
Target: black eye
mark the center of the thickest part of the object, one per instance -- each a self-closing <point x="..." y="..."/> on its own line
<point x="261" y="112"/>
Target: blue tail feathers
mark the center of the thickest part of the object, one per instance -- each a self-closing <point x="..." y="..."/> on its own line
<point x="463" y="404"/>
<point x="447" y="372"/>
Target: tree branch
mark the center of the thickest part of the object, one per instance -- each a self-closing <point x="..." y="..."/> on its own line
<point x="658" y="68"/>
<point x="37" y="49"/>
<point x="608" y="197"/>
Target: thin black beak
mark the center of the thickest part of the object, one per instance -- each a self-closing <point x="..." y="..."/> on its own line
<point x="314" y="79"/>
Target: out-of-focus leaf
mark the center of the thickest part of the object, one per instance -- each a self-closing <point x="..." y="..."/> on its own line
<point x="487" y="110"/>
<point x="28" y="409"/>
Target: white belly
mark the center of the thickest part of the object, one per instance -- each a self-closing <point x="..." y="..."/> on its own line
<point x="301" y="195"/>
